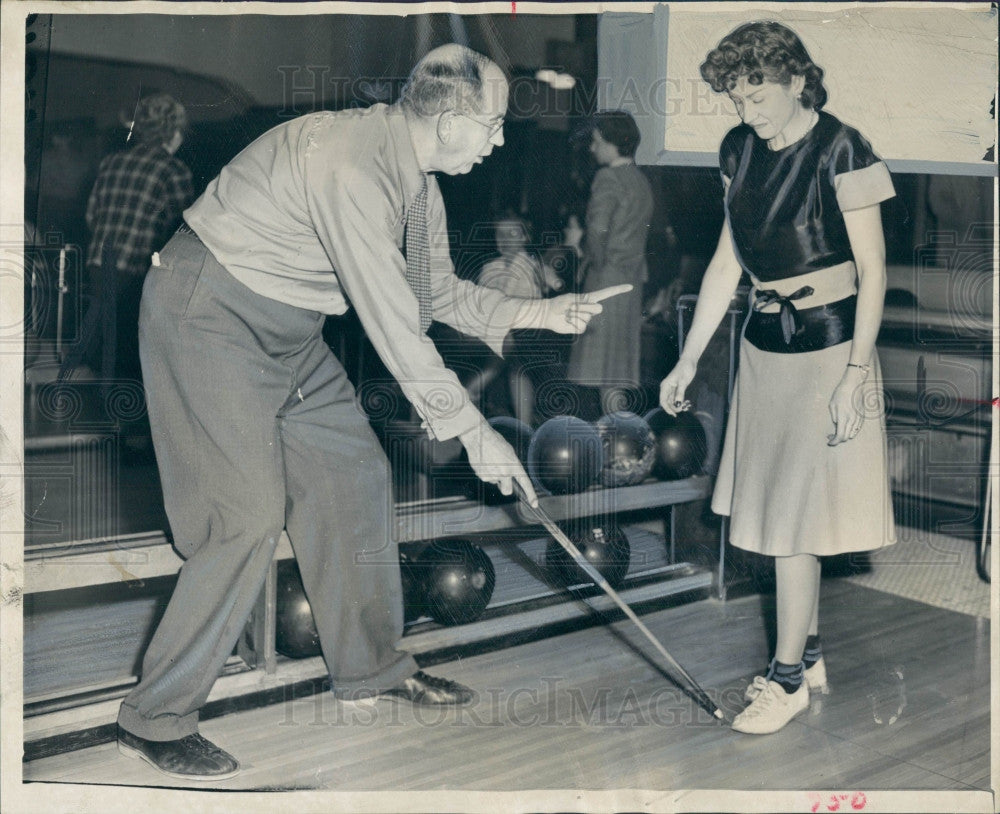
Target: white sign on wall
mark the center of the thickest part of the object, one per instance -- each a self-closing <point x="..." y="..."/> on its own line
<point x="918" y="81"/>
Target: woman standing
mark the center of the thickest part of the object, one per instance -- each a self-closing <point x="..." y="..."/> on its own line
<point x="618" y="215"/>
<point x="803" y="471"/>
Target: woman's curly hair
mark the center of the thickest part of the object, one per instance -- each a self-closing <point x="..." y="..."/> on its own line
<point x="760" y="51"/>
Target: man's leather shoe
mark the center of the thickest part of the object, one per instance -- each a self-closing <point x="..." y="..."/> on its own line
<point x="428" y="690"/>
<point x="190" y="758"/>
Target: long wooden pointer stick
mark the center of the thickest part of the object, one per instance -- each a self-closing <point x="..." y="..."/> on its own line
<point x="602" y="583"/>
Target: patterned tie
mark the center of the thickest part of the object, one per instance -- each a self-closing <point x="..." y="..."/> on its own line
<point x="418" y="254"/>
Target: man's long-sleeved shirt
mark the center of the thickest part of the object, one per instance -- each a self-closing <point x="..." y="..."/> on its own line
<point x="313" y="214"/>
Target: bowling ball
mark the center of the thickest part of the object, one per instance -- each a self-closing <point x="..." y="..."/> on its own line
<point x="565" y="455"/>
<point x="604" y="546"/>
<point x="458" y="581"/>
<point x="681" y="445"/>
<point x="629" y="448"/>
<point x="411" y="577"/>
<point x="295" y="628"/>
<point x="518" y="435"/>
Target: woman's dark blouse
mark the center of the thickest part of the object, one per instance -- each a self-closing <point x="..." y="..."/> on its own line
<point x="784" y="206"/>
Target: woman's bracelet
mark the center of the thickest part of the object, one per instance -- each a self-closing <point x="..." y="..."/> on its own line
<point x="863" y="368"/>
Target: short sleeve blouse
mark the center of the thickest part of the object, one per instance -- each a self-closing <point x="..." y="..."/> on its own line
<point x="784" y="206"/>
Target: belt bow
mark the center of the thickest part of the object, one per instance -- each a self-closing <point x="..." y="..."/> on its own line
<point x="789" y="316"/>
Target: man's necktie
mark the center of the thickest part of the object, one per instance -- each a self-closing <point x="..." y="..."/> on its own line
<point x="418" y="254"/>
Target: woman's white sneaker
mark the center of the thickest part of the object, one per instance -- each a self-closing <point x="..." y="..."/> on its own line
<point x="772" y="707"/>
<point x="815" y="680"/>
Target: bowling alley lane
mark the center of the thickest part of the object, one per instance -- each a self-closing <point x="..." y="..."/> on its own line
<point x="591" y="708"/>
<point x="565" y="698"/>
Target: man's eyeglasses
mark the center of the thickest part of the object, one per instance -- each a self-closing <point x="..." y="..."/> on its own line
<point x="494" y="125"/>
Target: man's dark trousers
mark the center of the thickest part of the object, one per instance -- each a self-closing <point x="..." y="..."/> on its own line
<point x="256" y="429"/>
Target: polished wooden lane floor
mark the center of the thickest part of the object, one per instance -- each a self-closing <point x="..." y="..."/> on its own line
<point x="908" y="709"/>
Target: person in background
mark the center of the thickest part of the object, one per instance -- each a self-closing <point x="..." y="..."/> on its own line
<point x="803" y="470"/>
<point x="619" y="211"/>
<point x="135" y="204"/>
<point x="565" y="258"/>
<point x="517" y="272"/>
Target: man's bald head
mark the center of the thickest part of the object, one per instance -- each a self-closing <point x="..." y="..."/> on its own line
<point x="453" y="77"/>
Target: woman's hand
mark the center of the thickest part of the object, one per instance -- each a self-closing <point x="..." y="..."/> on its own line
<point x="567" y="313"/>
<point x="673" y="387"/>
<point x="846" y="406"/>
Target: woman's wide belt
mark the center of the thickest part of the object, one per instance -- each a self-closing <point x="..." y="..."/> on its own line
<point x="793" y="330"/>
